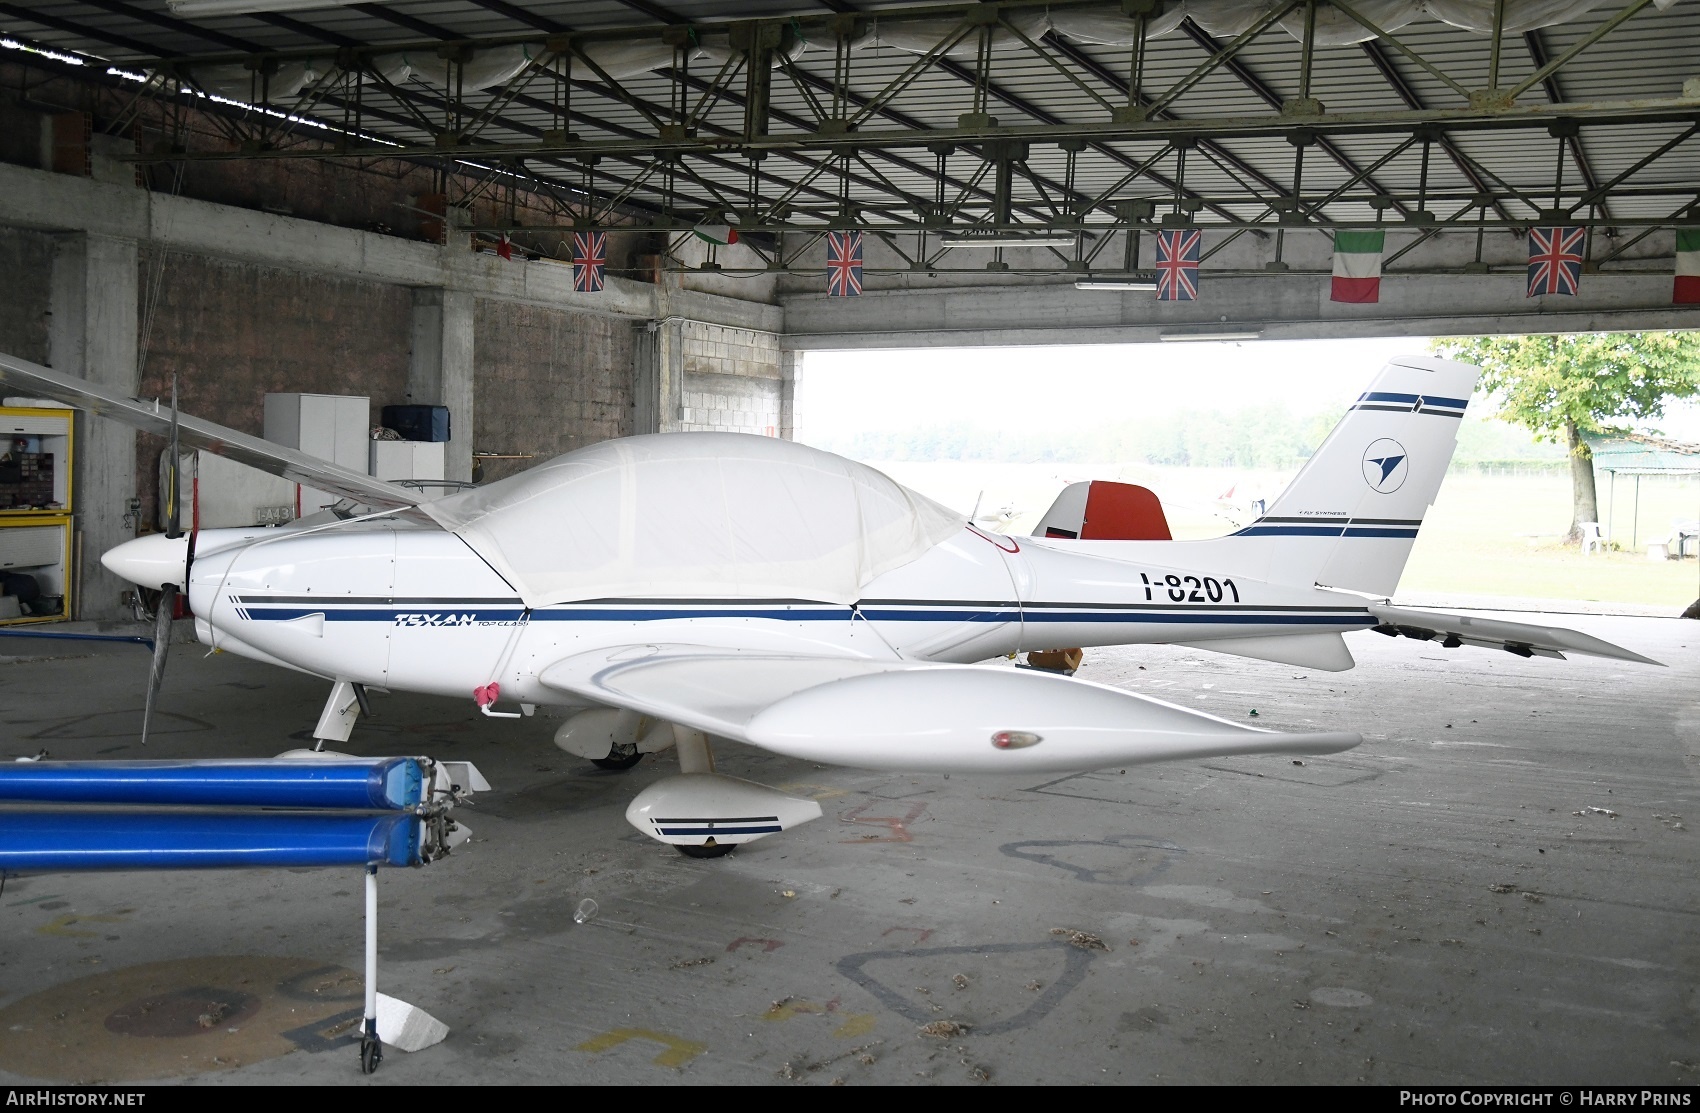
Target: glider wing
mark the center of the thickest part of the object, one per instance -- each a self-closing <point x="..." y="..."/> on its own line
<point x="151" y="417"/>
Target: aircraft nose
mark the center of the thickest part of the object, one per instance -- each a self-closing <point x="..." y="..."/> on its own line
<point x="150" y="561"/>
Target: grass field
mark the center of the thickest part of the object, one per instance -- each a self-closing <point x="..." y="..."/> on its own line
<point x="1486" y="535"/>
<point x="1498" y="535"/>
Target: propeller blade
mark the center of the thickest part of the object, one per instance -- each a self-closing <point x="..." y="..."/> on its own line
<point x="161" y="646"/>
<point x="174" y="483"/>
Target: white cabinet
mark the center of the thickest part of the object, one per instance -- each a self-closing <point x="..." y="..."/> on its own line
<point x="334" y="427"/>
<point x="27" y="546"/>
<point x="393" y="460"/>
<point x="37" y="547"/>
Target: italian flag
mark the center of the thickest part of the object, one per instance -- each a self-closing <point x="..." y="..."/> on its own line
<point x="1357" y="266"/>
<point x="719" y="234"/>
<point x="1687" y="291"/>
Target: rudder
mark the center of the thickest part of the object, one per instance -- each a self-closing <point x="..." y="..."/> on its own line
<point x="1349" y="518"/>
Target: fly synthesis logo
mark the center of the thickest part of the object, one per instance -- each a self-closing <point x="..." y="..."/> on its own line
<point x="1385" y="465"/>
<point x="462" y="619"/>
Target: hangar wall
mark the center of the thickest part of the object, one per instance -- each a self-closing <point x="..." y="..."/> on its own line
<point x="548" y="382"/>
<point x="250" y="302"/>
<point x="26" y="261"/>
<point x="732" y="380"/>
<point x="233" y="332"/>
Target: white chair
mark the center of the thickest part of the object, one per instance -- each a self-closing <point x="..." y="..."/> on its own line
<point x="1681" y="533"/>
<point x="1592" y="540"/>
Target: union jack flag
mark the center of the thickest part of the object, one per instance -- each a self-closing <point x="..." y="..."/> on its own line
<point x="1177" y="264"/>
<point x="590" y="261"/>
<point x="1555" y="260"/>
<point x="843" y="264"/>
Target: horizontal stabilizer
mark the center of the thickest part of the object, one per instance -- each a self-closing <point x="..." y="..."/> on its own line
<point x="901" y="715"/>
<point x="151" y="417"/>
<point x="1525" y="640"/>
<point x="1327" y="652"/>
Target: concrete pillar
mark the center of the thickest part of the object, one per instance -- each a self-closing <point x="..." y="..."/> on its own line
<point x="790" y="368"/>
<point x="439" y="369"/>
<point x="646" y="382"/>
<point x="94" y="299"/>
<point x="659" y="377"/>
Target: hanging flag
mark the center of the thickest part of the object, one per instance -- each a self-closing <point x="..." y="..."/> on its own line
<point x="505" y="247"/>
<point x="1357" y="266"/>
<point x="718" y="234"/>
<point x="1177" y="264"/>
<point x="843" y="264"/>
<point x="1687" y="290"/>
<point x="590" y="261"/>
<point x="1555" y="260"/>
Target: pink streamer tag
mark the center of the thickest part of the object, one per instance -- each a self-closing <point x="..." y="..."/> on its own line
<point x="487" y="695"/>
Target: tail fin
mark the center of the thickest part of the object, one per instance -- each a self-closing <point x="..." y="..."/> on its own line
<point x="1349" y="518"/>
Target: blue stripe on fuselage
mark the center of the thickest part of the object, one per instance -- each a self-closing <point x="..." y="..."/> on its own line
<point x="450" y="617"/>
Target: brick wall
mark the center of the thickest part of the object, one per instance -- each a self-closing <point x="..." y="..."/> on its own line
<point x="233" y="332"/>
<point x="26" y="270"/>
<point x="547" y="382"/>
<point x="731" y="380"/>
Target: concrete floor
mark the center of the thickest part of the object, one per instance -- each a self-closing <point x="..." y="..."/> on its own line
<point x="1429" y="908"/>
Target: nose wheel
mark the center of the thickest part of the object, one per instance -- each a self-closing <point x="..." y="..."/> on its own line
<point x="617" y="762"/>
<point x="709" y="849"/>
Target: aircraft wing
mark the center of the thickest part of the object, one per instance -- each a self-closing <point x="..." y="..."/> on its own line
<point x="1516" y="637"/>
<point x="35" y="381"/>
<point x="904" y="715"/>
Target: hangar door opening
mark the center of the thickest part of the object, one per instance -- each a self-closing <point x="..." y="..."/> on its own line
<point x="1218" y="429"/>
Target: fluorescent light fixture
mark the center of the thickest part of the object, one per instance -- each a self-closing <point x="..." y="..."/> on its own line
<point x="1008" y="239"/>
<point x="1181" y="336"/>
<point x="1133" y="283"/>
<point x="250" y="7"/>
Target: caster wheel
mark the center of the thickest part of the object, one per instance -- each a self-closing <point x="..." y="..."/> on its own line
<point x="617" y="763"/>
<point x="371" y="1054"/>
<point x="709" y="850"/>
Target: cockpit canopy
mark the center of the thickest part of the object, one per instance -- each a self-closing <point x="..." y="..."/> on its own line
<point x="695" y="515"/>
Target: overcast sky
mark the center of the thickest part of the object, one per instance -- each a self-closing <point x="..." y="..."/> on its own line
<point x="841" y="393"/>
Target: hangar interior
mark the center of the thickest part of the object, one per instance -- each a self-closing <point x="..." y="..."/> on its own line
<point x="256" y="196"/>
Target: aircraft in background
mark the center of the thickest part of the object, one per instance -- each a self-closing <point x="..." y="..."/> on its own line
<point x="671" y="587"/>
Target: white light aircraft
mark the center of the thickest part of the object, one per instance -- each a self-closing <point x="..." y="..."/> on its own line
<point x="671" y="587"/>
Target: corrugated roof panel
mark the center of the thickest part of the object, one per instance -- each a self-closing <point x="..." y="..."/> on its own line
<point x="1648" y="57"/>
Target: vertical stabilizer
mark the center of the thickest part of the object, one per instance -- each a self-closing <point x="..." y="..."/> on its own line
<point x="1349" y="518"/>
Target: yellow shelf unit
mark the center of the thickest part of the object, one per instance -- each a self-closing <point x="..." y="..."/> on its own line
<point x="38" y="546"/>
<point x="36" y="455"/>
<point x="36" y="530"/>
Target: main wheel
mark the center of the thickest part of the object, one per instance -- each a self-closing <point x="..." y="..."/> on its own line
<point x="371" y="1054"/>
<point x="710" y="849"/>
<point x="617" y="763"/>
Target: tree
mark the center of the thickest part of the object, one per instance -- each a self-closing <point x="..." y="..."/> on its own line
<point x="1561" y="387"/>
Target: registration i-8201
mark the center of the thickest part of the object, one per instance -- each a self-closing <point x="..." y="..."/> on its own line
<point x="1191" y="589"/>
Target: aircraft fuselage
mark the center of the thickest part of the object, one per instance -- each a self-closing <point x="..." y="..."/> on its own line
<point x="416" y="610"/>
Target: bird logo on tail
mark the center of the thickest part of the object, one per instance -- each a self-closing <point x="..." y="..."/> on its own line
<point x="1385" y="466"/>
